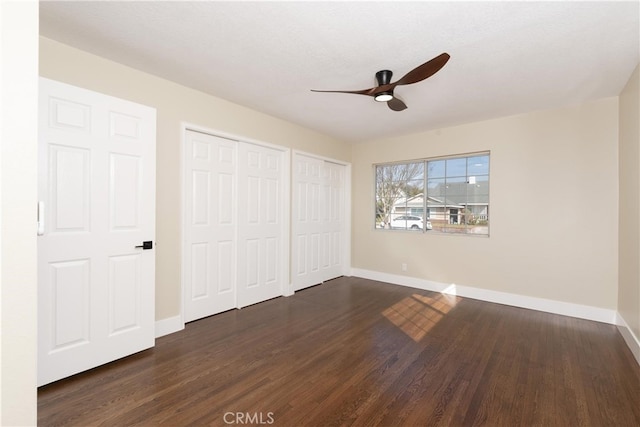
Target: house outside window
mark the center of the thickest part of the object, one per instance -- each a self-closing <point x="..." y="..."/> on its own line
<point x="456" y="189"/>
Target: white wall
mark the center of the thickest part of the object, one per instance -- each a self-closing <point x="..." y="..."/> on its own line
<point x="18" y="157"/>
<point x="629" y="244"/>
<point x="553" y="196"/>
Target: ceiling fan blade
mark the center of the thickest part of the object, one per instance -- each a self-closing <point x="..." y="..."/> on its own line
<point x="425" y="70"/>
<point x="369" y="92"/>
<point x="396" y="104"/>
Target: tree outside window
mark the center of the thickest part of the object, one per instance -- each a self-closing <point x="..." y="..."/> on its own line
<point x="394" y="183"/>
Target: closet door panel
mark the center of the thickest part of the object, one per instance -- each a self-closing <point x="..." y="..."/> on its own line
<point x="210" y="229"/>
<point x="318" y="220"/>
<point x="260" y="224"/>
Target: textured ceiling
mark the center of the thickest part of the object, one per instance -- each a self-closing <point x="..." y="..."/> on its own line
<point x="506" y="57"/>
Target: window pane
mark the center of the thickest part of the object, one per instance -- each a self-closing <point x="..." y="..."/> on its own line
<point x="383" y="173"/>
<point x="397" y="185"/>
<point x="415" y="171"/>
<point x="454" y="217"/>
<point x="435" y="169"/>
<point x="478" y="193"/>
<point x="478" y="220"/>
<point x="414" y="187"/>
<point x="456" y="191"/>
<point x="478" y="165"/>
<point x="436" y="202"/>
<point x="457" y="167"/>
<point x="436" y="188"/>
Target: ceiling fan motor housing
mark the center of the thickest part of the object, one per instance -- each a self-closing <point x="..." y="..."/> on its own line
<point x="384" y="77"/>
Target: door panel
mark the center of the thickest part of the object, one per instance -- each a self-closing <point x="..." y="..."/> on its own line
<point x="201" y="200"/>
<point x="124" y="192"/>
<point x="124" y="285"/>
<point x="199" y="270"/>
<point x="69" y="303"/>
<point x="335" y="223"/>
<point x="251" y="263"/>
<point x="210" y="228"/>
<point x="318" y="221"/>
<point x="306" y="221"/>
<point x="96" y="291"/>
<point x="226" y="267"/>
<point x="69" y="188"/>
<point x="271" y="252"/>
<point x="260" y="224"/>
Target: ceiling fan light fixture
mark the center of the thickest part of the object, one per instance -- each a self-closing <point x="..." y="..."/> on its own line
<point x="384" y="97"/>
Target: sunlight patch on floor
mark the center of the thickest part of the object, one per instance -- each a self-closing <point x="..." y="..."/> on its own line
<point x="417" y="314"/>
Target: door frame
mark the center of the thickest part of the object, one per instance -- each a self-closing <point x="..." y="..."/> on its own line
<point x="287" y="286"/>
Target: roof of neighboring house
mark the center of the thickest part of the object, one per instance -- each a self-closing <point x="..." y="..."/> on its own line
<point x="418" y="201"/>
<point x="457" y="195"/>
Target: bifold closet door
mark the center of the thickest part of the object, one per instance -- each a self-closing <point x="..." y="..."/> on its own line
<point x="318" y="221"/>
<point x="334" y="220"/>
<point x="260" y="224"/>
<point x="307" y="225"/>
<point x="210" y="227"/>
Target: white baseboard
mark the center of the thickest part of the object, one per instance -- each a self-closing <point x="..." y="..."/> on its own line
<point x="169" y="326"/>
<point x="632" y="341"/>
<point x="541" y="304"/>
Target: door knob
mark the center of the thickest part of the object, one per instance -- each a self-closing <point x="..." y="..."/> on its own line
<point x="146" y="245"/>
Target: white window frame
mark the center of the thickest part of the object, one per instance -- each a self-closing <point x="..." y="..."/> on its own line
<point x="473" y="224"/>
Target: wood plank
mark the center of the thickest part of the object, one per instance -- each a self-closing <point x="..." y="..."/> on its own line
<point x="359" y="352"/>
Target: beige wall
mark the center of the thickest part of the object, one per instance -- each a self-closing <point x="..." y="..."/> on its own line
<point x="629" y="244"/>
<point x="18" y="192"/>
<point x="553" y="195"/>
<point x="175" y="103"/>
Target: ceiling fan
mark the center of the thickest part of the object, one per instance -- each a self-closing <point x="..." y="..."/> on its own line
<point x="384" y="91"/>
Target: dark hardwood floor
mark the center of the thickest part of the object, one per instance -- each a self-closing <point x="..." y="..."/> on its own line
<point x="359" y="352"/>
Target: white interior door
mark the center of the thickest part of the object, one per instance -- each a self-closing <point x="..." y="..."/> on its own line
<point x="96" y="188"/>
<point x="318" y="221"/>
<point x="261" y="222"/>
<point x="210" y="228"/>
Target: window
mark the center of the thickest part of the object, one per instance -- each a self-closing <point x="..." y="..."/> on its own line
<point x="453" y="191"/>
<point x="397" y="187"/>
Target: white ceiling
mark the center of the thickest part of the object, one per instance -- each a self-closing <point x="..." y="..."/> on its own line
<point x="506" y="57"/>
